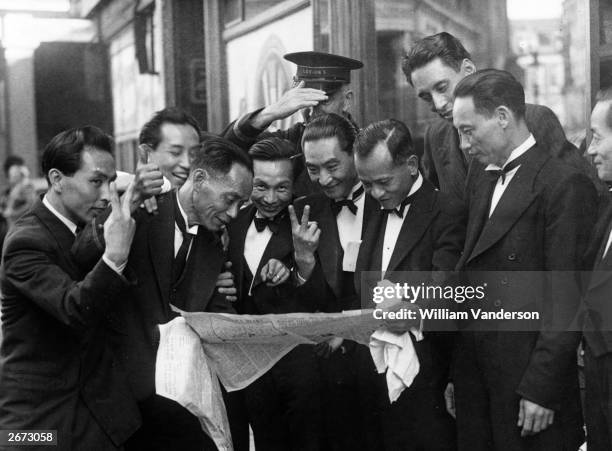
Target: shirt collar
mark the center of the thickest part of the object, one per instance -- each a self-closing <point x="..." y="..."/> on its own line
<point x="67" y="222"/>
<point x="517" y="152"/>
<point x="193" y="230"/>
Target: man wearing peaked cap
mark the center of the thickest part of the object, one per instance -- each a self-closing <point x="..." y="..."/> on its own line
<point x="322" y="85"/>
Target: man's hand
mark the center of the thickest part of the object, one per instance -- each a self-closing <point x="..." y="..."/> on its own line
<point x="449" y="399"/>
<point x="148" y="181"/>
<point x="533" y="418"/>
<point x="327" y="348"/>
<point x="225" y="284"/>
<point x="293" y="100"/>
<point x="305" y="241"/>
<point x="119" y="227"/>
<point x="274" y="273"/>
<point x="397" y="304"/>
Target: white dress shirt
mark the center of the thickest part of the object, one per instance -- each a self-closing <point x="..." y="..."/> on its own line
<point x="501" y="186"/>
<point x="73" y="228"/>
<point x="394" y="226"/>
<point x="349" y="228"/>
<point x="255" y="244"/>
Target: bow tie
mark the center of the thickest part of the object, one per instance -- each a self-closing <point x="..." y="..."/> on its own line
<point x="497" y="173"/>
<point x="337" y="206"/>
<point x="399" y="211"/>
<point x="272" y="223"/>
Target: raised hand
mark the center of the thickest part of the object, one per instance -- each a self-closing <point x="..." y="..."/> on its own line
<point x="274" y="272"/>
<point x="119" y="227"/>
<point x="305" y="241"/>
<point x="292" y="101"/>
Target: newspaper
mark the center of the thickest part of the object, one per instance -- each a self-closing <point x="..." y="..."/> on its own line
<point x="197" y="348"/>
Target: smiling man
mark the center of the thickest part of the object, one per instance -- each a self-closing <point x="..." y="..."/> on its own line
<point x="58" y="370"/>
<point x="433" y="66"/>
<point x="177" y="256"/>
<point x="322" y="86"/>
<point x="415" y="237"/>
<point x="284" y="405"/>
<point x="530" y="218"/>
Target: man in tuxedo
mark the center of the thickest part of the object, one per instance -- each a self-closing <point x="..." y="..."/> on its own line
<point x="326" y="245"/>
<point x="58" y="370"/>
<point x="598" y="321"/>
<point x="177" y="256"/>
<point x="283" y="405"/>
<point x="322" y="85"/>
<point x="416" y="236"/>
<point x="433" y="67"/>
<point x="530" y="216"/>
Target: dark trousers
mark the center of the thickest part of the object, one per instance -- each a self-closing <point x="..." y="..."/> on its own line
<point x="598" y="405"/>
<point x="168" y="426"/>
<point x="284" y="405"/>
<point x="488" y="368"/>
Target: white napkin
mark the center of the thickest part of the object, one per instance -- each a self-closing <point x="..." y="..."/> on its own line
<point x="395" y="354"/>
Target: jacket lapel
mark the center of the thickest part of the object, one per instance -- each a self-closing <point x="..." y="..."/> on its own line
<point x="237" y="231"/>
<point x="602" y="270"/>
<point x="415" y="224"/>
<point x="329" y="250"/>
<point x="161" y="244"/>
<point x="370" y="252"/>
<point x="514" y="201"/>
<point x="207" y="257"/>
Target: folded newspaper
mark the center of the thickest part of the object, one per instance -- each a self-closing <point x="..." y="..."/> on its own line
<point x="197" y="350"/>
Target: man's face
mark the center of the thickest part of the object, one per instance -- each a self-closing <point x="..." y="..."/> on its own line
<point x="601" y="144"/>
<point x="86" y="193"/>
<point x="172" y="152"/>
<point x="337" y="103"/>
<point x="387" y="182"/>
<point x="330" y="166"/>
<point x="482" y="137"/>
<point x="216" y="198"/>
<point x="435" y="83"/>
<point x="272" y="186"/>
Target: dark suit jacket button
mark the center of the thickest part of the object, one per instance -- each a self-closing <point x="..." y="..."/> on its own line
<point x="512" y="257"/>
<point x="497" y="303"/>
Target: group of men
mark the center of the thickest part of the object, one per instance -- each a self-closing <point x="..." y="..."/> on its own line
<point x="499" y="199"/>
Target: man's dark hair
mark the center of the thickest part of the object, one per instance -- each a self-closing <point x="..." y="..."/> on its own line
<point x="65" y="149"/>
<point x="276" y="149"/>
<point x="331" y="126"/>
<point x="10" y="161"/>
<point x="217" y="155"/>
<point x="442" y="45"/>
<point x="605" y="95"/>
<point x="491" y="88"/>
<point x="393" y="133"/>
<point x="150" y="133"/>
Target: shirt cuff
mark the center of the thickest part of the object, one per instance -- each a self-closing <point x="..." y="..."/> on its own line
<point x="118" y="269"/>
<point x="166" y="186"/>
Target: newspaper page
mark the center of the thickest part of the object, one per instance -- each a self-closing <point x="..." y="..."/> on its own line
<point x="198" y="349"/>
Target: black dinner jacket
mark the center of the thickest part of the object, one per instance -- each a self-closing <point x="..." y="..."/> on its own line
<point x="598" y="319"/>
<point x="326" y="283"/>
<point x="263" y="299"/>
<point x="529" y="253"/>
<point x="57" y="366"/>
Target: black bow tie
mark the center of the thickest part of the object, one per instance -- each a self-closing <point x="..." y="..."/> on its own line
<point x="399" y="211"/>
<point x="497" y="173"/>
<point x="337" y="205"/>
<point x="272" y="223"/>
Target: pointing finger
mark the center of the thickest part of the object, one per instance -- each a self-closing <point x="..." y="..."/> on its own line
<point x="114" y="198"/>
<point x="127" y="200"/>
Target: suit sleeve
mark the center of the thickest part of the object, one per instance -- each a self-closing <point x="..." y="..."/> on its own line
<point x="570" y="215"/>
<point x="429" y="169"/>
<point x="242" y="132"/>
<point x="30" y="268"/>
